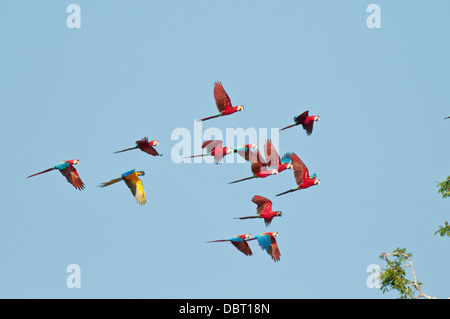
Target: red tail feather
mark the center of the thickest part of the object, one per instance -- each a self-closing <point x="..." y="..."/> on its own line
<point x="47" y="170"/>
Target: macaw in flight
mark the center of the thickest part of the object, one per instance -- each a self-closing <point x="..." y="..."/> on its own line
<point x="301" y="174"/>
<point x="263" y="210"/>
<point x="305" y="120"/>
<point x="144" y="145"/>
<point x="223" y="102"/>
<point x="240" y="242"/>
<point x="268" y="243"/>
<point x="216" y="149"/>
<point x="68" y="171"/>
<point x="258" y="172"/>
<point x="134" y="184"/>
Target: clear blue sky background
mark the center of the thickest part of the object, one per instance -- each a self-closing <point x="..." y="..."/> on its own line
<point x="146" y="68"/>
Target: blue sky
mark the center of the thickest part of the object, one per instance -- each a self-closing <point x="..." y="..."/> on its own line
<point x="148" y="68"/>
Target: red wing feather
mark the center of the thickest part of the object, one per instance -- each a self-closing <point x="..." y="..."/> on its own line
<point x="308" y="127"/>
<point x="243" y="247"/>
<point x="220" y="95"/>
<point x="211" y="144"/>
<point x="261" y="202"/>
<point x="272" y="157"/>
<point x="300" y="119"/>
<point x="273" y="250"/>
<point x="71" y="174"/>
<point x="300" y="170"/>
<point x="146" y="147"/>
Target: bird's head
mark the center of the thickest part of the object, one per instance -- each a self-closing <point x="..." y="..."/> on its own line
<point x="289" y="166"/>
<point x="253" y="146"/>
<point x="278" y="213"/>
<point x="240" y="107"/>
<point x="317" y="182"/>
<point x="274" y="234"/>
<point x="154" y="143"/>
<point x="229" y="150"/>
<point x="246" y="236"/>
<point x="74" y="162"/>
<point x="141" y="173"/>
<point x="316" y="118"/>
<point x="274" y="172"/>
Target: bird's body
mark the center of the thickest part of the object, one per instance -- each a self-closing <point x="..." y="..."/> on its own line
<point x="306" y="120"/>
<point x="272" y="159"/>
<point x="240" y="242"/>
<point x="216" y="149"/>
<point x="301" y="174"/>
<point x="223" y="103"/>
<point x="144" y="145"/>
<point x="131" y="179"/>
<point x="263" y="210"/>
<point x="258" y="172"/>
<point x="268" y="243"/>
<point x="68" y="171"/>
<point x="246" y="150"/>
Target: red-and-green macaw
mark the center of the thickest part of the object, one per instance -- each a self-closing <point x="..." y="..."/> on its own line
<point x="223" y="102"/>
<point x="240" y="242"/>
<point x="301" y="174"/>
<point x="134" y="184"/>
<point x="69" y="172"/>
<point x="258" y="172"/>
<point x="305" y="120"/>
<point x="263" y="210"/>
<point x="268" y="243"/>
<point x="216" y="149"/>
<point x="144" y="145"/>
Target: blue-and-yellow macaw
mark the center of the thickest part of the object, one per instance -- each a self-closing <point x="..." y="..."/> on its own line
<point x="133" y="182"/>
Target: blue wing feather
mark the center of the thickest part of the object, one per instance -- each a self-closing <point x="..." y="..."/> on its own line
<point x="264" y="241"/>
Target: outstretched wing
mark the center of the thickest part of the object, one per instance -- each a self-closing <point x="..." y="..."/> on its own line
<point x="300" y="170"/>
<point x="211" y="144"/>
<point x="300" y="119"/>
<point x="308" y="127"/>
<point x="71" y="174"/>
<point x="220" y="95"/>
<point x="273" y="250"/>
<point x="262" y="203"/>
<point x="243" y="247"/>
<point x="146" y="147"/>
<point x="272" y="157"/>
<point x="136" y="187"/>
<point x="269" y="244"/>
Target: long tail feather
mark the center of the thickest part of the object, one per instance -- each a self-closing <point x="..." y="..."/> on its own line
<point x="216" y="241"/>
<point x="47" y="170"/>
<point x="127" y="149"/>
<point x="246" y="217"/>
<point x="240" y="180"/>
<point x="110" y="182"/>
<point x="289" y="191"/>
<point x="210" y="117"/>
<point x="200" y="155"/>
<point x="287" y="127"/>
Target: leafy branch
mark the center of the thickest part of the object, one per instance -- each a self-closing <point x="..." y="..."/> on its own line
<point x="444" y="188"/>
<point x="394" y="276"/>
<point x="443" y="230"/>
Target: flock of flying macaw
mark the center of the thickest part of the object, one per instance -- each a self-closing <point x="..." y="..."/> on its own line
<point x="261" y="166"/>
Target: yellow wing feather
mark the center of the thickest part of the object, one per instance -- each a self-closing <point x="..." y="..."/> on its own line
<point x="137" y="189"/>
